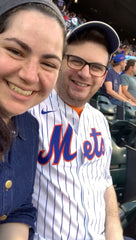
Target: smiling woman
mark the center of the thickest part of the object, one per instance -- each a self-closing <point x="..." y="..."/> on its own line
<point x="29" y="65"/>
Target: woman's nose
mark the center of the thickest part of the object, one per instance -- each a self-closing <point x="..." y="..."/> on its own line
<point x="29" y="72"/>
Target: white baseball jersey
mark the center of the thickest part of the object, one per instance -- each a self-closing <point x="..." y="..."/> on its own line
<point x="72" y="171"/>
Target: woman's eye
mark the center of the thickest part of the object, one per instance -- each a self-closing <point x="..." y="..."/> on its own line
<point x="15" y="51"/>
<point x="50" y="65"/>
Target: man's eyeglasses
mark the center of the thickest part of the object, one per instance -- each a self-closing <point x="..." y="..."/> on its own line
<point x="77" y="63"/>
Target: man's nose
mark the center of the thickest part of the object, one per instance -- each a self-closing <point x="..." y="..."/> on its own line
<point x="85" y="71"/>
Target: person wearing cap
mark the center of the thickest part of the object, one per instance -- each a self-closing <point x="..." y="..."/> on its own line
<point x="73" y="190"/>
<point x="119" y="58"/>
<point x="112" y="84"/>
<point x="30" y="59"/>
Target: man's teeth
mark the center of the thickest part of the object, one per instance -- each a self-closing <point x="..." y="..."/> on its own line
<point x="19" y="90"/>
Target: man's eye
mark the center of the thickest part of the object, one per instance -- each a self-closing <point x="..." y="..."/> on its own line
<point x="97" y="67"/>
<point x="76" y="62"/>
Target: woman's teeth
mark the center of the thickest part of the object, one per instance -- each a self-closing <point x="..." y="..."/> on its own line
<point x="19" y="90"/>
<point x="81" y="84"/>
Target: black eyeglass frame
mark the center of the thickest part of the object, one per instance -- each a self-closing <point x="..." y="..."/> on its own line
<point x="84" y="64"/>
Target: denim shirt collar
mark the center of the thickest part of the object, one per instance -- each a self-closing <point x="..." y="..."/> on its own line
<point x="19" y="124"/>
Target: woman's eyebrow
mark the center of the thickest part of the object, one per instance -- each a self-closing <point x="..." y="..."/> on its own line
<point x="47" y="56"/>
<point x="20" y="43"/>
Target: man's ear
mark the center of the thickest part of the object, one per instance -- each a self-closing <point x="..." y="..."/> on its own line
<point x="103" y="79"/>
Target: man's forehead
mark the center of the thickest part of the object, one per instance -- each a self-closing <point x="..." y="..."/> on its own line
<point x="85" y="48"/>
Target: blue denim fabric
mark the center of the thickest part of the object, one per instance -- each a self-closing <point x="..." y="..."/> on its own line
<point x="19" y="166"/>
<point x="128" y="238"/>
<point x="116" y="101"/>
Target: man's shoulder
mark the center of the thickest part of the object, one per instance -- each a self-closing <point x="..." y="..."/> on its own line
<point x="94" y="111"/>
<point x="111" y="74"/>
<point x="125" y="77"/>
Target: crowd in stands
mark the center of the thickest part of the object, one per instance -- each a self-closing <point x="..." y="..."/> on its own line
<point x="72" y="19"/>
<point x="128" y="50"/>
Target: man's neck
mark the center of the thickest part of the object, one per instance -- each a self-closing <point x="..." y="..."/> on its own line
<point x="117" y="69"/>
<point x="128" y="72"/>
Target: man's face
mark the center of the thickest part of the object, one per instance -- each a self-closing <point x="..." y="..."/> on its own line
<point x="123" y="64"/>
<point x="76" y="87"/>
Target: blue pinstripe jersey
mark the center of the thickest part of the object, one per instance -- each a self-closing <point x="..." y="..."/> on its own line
<point x="72" y="171"/>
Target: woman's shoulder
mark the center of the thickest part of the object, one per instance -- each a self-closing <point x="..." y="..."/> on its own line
<point x="26" y="119"/>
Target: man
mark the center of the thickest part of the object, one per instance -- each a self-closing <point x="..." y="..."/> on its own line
<point x="112" y="85"/>
<point x="128" y="80"/>
<point x="61" y="4"/>
<point x="73" y="190"/>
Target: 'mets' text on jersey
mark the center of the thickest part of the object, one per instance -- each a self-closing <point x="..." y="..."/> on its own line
<point x="59" y="145"/>
<point x="72" y="171"/>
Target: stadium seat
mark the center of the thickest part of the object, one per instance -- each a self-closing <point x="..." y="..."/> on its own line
<point x="123" y="133"/>
<point x="130" y="190"/>
<point x="123" y="172"/>
<point x="118" y="170"/>
<point x="106" y="107"/>
<point x="123" y="167"/>
<point x="127" y="213"/>
<point x="111" y="112"/>
<point x="130" y="113"/>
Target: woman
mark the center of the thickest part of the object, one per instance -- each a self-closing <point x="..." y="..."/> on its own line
<point x="32" y="40"/>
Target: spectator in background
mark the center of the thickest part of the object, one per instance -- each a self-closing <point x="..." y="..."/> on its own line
<point x="128" y="80"/>
<point x="72" y="22"/>
<point x="112" y="85"/>
<point x="126" y="51"/>
<point x="61" y="5"/>
<point x="66" y="15"/>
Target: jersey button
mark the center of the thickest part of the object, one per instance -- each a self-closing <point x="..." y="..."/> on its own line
<point x="8" y="184"/>
<point x="2" y="218"/>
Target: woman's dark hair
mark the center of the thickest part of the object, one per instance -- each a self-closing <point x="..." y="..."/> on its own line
<point x="4" y="18"/>
<point x="6" y="137"/>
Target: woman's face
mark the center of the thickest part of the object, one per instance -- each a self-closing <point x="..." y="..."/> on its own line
<point x="30" y="58"/>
